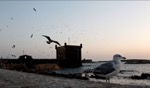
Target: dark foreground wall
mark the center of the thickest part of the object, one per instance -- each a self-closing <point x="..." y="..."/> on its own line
<point x="14" y="79"/>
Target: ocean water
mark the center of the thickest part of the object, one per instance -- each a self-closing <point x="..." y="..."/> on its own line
<point x="128" y="70"/>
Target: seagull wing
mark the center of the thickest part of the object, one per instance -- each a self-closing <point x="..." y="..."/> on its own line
<point x="49" y="39"/>
<point x="57" y="43"/>
<point x="104" y="69"/>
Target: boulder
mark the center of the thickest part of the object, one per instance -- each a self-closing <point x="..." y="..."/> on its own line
<point x="143" y="76"/>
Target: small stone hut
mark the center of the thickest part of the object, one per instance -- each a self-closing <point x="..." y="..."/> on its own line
<point x="26" y="59"/>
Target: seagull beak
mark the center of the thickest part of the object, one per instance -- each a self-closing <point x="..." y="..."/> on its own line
<point x="124" y="58"/>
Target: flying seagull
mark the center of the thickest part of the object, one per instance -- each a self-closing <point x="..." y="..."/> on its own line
<point x="13" y="55"/>
<point x="34" y="9"/>
<point x="50" y="40"/>
<point x="31" y="36"/>
<point x="12" y="18"/>
<point x="109" y="69"/>
<point x="13" y="46"/>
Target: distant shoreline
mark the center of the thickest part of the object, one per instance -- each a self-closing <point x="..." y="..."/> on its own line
<point x="127" y="61"/>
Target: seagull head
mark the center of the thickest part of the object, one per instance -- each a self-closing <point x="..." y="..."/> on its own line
<point x="118" y="57"/>
<point x="48" y="42"/>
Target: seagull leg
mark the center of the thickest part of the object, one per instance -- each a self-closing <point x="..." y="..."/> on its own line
<point x="108" y="80"/>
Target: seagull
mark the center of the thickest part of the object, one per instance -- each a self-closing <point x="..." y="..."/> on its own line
<point x="50" y="40"/>
<point x="13" y="46"/>
<point x="109" y="69"/>
<point x="34" y="9"/>
<point x="12" y="18"/>
<point x="13" y="55"/>
<point x="31" y="36"/>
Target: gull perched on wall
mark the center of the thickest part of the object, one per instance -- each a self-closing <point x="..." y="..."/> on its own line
<point x="50" y="40"/>
<point x="109" y="69"/>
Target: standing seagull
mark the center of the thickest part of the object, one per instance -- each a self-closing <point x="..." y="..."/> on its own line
<point x="50" y="40"/>
<point x="109" y="69"/>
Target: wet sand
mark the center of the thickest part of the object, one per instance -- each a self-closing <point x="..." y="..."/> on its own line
<point x="15" y="79"/>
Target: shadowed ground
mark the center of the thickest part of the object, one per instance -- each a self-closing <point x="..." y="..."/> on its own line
<point x="14" y="79"/>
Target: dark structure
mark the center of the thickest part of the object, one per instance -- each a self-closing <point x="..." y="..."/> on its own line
<point x="87" y="61"/>
<point x="27" y="60"/>
<point x="69" y="55"/>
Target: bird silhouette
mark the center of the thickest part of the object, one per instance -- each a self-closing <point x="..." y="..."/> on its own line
<point x="109" y="69"/>
<point x="13" y="46"/>
<point x="13" y="55"/>
<point x="12" y="18"/>
<point x="34" y="9"/>
<point x="50" y="40"/>
<point x="31" y="36"/>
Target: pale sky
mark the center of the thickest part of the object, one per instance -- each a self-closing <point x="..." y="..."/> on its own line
<point x="104" y="28"/>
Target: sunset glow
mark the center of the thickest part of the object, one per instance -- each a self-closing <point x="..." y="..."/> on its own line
<point x="103" y="28"/>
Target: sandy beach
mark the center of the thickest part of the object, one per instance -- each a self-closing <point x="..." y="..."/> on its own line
<point x="15" y="79"/>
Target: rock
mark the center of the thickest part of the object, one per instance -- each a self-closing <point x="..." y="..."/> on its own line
<point x="143" y="76"/>
<point x="135" y="77"/>
<point x="97" y="77"/>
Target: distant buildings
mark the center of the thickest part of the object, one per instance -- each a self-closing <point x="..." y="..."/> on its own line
<point x="66" y="56"/>
<point x="69" y="55"/>
<point x="87" y="61"/>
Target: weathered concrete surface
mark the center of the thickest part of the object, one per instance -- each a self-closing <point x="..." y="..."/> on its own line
<point x="14" y="79"/>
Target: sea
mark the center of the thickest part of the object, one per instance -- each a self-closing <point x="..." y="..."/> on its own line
<point x="128" y="70"/>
